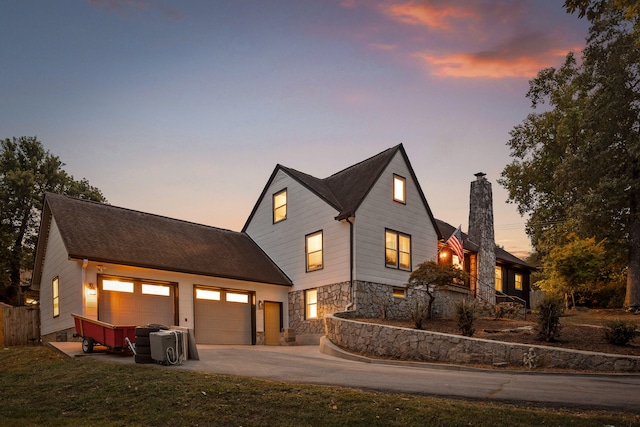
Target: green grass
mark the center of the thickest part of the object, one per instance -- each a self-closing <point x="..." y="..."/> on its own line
<point x="39" y="386"/>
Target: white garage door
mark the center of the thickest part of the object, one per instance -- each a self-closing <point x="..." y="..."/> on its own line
<point x="222" y="316"/>
<point x="129" y="302"/>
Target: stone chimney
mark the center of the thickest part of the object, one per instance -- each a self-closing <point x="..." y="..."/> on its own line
<point x="481" y="233"/>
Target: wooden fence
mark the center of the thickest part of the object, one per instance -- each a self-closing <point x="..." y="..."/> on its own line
<point x="19" y="326"/>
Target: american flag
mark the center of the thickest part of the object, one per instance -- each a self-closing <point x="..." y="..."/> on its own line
<point x="455" y="243"/>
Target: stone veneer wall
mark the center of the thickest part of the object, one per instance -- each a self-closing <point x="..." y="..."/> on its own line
<point x="374" y="299"/>
<point x="371" y="300"/>
<point x="412" y="344"/>
<point x="331" y="299"/>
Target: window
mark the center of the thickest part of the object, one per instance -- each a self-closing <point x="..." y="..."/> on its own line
<point x="399" y="292"/>
<point x="207" y="294"/>
<point x="311" y="304"/>
<point x="499" y="279"/>
<point x="55" y="294"/>
<point x="397" y="250"/>
<point x="161" y="290"/>
<point x="117" y="286"/>
<point x="313" y="248"/>
<point x="280" y="206"/>
<point x="234" y="297"/>
<point x="518" y="281"/>
<point x="399" y="189"/>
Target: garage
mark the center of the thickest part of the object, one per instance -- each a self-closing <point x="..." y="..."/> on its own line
<point x="223" y="316"/>
<point x="125" y="301"/>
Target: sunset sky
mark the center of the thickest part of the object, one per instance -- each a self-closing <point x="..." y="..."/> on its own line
<point x="184" y="108"/>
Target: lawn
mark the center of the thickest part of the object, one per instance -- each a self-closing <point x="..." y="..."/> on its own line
<point x="39" y="386"/>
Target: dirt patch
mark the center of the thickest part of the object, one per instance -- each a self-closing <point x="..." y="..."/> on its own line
<point x="572" y="336"/>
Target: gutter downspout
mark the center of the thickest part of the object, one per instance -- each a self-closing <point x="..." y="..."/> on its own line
<point x="346" y="216"/>
<point x="348" y="307"/>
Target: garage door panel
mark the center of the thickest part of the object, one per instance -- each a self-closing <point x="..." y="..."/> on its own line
<point x="223" y="322"/>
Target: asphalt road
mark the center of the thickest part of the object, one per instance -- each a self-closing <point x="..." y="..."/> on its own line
<point x="307" y="364"/>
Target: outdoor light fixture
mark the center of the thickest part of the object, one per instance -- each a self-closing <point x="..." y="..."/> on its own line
<point x="260" y="305"/>
<point x="92" y="288"/>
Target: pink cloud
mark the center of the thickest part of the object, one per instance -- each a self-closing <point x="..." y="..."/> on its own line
<point x="382" y="46"/>
<point x="520" y="57"/>
<point x="431" y="15"/>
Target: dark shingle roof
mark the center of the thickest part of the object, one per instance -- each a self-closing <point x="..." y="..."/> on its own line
<point x="110" y="234"/>
<point x="345" y="190"/>
<point x="447" y="230"/>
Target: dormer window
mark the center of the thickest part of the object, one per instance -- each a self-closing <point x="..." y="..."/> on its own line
<point x="399" y="189"/>
<point x="280" y="206"/>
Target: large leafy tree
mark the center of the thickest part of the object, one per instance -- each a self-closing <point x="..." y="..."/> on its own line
<point x="576" y="166"/>
<point x="571" y="267"/>
<point x="27" y="171"/>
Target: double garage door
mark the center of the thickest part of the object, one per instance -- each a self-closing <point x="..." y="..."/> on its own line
<point x="222" y="316"/>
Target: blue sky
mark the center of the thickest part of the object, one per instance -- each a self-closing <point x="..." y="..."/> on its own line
<point x="183" y="108"/>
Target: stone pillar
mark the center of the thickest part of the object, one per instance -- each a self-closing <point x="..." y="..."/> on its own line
<point x="481" y="233"/>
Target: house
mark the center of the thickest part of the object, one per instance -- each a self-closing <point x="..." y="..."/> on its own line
<point x="309" y="247"/>
<point x="349" y="241"/>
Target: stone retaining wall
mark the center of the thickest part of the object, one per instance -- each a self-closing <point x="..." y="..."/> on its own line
<point x="412" y="344"/>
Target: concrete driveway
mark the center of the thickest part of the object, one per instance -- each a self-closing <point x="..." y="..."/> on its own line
<point x="308" y="365"/>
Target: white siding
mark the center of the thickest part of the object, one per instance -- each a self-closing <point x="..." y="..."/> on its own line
<point x="378" y="212"/>
<point x="69" y="273"/>
<point x="284" y="241"/>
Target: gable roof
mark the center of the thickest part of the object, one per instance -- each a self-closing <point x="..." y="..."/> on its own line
<point x="447" y="230"/>
<point x="109" y="234"/>
<point x="345" y="190"/>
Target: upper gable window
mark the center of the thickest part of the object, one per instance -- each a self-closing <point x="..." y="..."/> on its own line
<point x="313" y="246"/>
<point x="280" y="206"/>
<point x="399" y="189"/>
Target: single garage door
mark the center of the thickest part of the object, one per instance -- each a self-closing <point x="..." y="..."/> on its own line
<point x="222" y="316"/>
<point x="136" y="302"/>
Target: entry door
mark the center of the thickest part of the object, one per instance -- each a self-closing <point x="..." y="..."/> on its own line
<point x="272" y="322"/>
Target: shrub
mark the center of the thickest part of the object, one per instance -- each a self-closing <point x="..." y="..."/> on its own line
<point x="619" y="332"/>
<point x="465" y="315"/>
<point x="548" y="320"/>
<point x="506" y="309"/>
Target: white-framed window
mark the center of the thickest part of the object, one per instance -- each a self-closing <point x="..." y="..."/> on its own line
<point x="313" y="250"/>
<point x="55" y="296"/>
<point x="311" y="304"/>
<point x="397" y="250"/>
<point x="280" y="206"/>
<point x="499" y="287"/>
<point x="399" y="189"/>
<point x="518" y="281"/>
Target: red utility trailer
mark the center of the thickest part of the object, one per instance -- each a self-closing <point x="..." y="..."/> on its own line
<point x="95" y="332"/>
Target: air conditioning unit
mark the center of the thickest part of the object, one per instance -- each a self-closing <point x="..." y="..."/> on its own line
<point x="167" y="347"/>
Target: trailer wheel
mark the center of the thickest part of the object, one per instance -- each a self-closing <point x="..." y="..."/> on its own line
<point x="87" y="345"/>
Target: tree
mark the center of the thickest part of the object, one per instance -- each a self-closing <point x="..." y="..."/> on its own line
<point x="576" y="166"/>
<point x="27" y="171"/>
<point x="573" y="266"/>
<point x="428" y="278"/>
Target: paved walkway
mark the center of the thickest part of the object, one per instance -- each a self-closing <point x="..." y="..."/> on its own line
<point x="307" y="364"/>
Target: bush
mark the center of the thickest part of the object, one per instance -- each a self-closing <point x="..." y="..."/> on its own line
<point x="465" y="315"/>
<point x="506" y="309"/>
<point x="619" y="332"/>
<point x="548" y="320"/>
